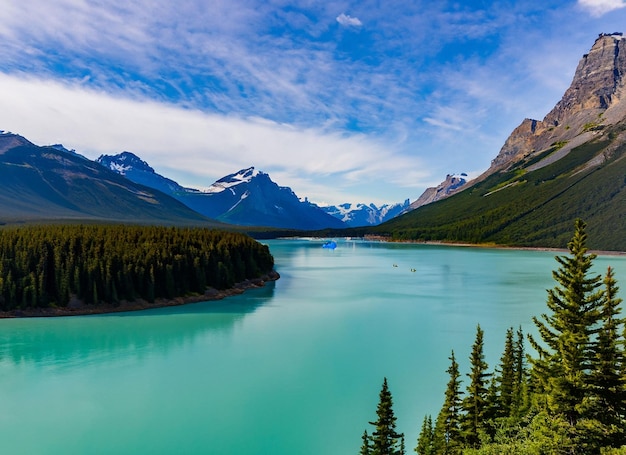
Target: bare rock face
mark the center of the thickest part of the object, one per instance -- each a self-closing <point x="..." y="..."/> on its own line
<point x="595" y="99"/>
<point x="448" y="187"/>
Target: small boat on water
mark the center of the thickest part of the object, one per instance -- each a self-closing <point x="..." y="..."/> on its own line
<point x="330" y="245"/>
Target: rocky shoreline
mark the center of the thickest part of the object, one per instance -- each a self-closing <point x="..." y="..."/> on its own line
<point x="79" y="309"/>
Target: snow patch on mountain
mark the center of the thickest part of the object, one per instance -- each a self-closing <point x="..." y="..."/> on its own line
<point x="243" y="176"/>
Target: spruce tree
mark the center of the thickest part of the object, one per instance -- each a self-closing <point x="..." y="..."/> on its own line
<point x="385" y="440"/>
<point x="447" y="434"/>
<point x="507" y="377"/>
<point x="474" y="403"/>
<point x="365" y="447"/>
<point x="608" y="382"/>
<point x="562" y="371"/>
<point x="425" y="439"/>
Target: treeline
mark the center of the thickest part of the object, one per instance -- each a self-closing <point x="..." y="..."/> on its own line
<point x="569" y="397"/>
<point x="43" y="266"/>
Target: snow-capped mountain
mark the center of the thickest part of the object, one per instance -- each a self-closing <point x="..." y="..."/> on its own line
<point x="135" y="169"/>
<point x="248" y="197"/>
<point x="357" y="215"/>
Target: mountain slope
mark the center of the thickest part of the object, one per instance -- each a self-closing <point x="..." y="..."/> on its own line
<point x="50" y="183"/>
<point x="248" y="197"/>
<point x="548" y="173"/>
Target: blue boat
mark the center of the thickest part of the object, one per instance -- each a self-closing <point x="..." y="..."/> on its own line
<point x="330" y="245"/>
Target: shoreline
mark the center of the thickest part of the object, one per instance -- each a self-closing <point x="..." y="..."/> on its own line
<point x="491" y="246"/>
<point x="80" y="309"/>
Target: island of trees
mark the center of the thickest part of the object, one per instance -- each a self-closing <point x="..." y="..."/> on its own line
<point x="567" y="397"/>
<point x="51" y="266"/>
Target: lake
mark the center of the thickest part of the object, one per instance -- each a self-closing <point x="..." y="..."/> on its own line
<point x="292" y="368"/>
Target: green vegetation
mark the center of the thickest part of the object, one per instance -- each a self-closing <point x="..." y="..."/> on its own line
<point x="530" y="207"/>
<point x="46" y="266"/>
<point x="384" y="440"/>
<point x="569" y="399"/>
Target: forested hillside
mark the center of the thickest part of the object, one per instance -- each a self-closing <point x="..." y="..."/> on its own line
<point x="44" y="266"/>
<point x="530" y="206"/>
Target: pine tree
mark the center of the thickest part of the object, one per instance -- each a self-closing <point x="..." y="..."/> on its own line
<point x="520" y="385"/>
<point x="425" y="439"/>
<point x="562" y="371"/>
<point x="385" y="440"/>
<point x="365" y="447"/>
<point x="447" y="434"/>
<point x="507" y="376"/>
<point x="609" y="385"/>
<point x="474" y="403"/>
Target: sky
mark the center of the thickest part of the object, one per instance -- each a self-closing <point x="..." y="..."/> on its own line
<point x="343" y="101"/>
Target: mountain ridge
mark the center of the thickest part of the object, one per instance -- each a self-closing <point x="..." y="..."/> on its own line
<point x="548" y="172"/>
<point x="247" y="197"/>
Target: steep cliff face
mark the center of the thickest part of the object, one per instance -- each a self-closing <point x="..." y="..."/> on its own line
<point x="595" y="99"/>
<point x="448" y="187"/>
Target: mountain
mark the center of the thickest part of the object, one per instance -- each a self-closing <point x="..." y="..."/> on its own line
<point x="54" y="183"/>
<point x="548" y="172"/>
<point x="445" y="189"/>
<point x="248" y="197"/>
<point x="357" y="215"/>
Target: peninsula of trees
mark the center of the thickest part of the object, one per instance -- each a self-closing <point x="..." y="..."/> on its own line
<point x="568" y="398"/>
<point x="51" y="266"/>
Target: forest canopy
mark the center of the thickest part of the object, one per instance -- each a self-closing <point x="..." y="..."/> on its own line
<point x="46" y="266"/>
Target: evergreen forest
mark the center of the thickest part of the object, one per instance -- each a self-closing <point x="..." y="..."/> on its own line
<point x="566" y="396"/>
<point x="47" y="266"/>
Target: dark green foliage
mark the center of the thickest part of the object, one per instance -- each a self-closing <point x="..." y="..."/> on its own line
<point x="607" y="377"/>
<point x="573" y="399"/>
<point x="385" y="440"/>
<point x="447" y="433"/>
<point x="42" y="266"/>
<point x="475" y="402"/>
<point x="525" y="207"/>
<point x="365" y="447"/>
<point x="425" y="440"/>
<point x="565" y="358"/>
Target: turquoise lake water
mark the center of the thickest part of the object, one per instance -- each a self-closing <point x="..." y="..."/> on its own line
<point x="291" y="368"/>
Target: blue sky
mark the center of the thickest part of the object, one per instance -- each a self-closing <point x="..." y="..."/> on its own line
<point x="343" y="101"/>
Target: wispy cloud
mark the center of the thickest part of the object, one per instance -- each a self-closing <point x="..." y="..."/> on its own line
<point x="349" y="21"/>
<point x="195" y="147"/>
<point x="424" y="89"/>
<point x="601" y="7"/>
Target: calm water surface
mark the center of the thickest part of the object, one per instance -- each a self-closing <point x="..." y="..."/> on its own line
<point x="292" y="368"/>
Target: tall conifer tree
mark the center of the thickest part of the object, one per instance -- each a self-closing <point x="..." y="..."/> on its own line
<point x="385" y="440"/>
<point x="474" y="403"/>
<point x="447" y="434"/>
<point x="425" y="439"/>
<point x="563" y="369"/>
<point x="609" y="387"/>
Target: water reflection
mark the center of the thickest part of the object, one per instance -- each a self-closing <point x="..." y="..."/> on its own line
<point x="68" y="342"/>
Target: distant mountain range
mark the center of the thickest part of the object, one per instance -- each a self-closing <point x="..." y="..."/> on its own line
<point x="548" y="173"/>
<point x="249" y="197"/>
<point x="357" y="215"/>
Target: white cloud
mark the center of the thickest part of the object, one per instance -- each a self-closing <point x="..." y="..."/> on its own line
<point x="195" y="147"/>
<point x="348" y="21"/>
<point x="601" y="7"/>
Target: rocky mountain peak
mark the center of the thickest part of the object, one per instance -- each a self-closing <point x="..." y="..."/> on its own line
<point x="448" y="187"/>
<point x="123" y="162"/>
<point x="594" y="100"/>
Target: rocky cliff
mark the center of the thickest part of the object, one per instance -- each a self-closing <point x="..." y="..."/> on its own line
<point x="448" y="187"/>
<point x="595" y="100"/>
